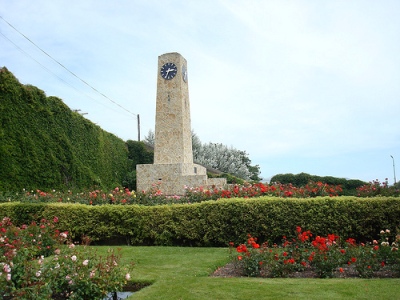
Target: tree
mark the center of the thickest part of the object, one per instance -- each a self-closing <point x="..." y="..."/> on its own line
<point x="149" y="138"/>
<point x="221" y="158"/>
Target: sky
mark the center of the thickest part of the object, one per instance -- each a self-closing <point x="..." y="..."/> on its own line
<point x="301" y="86"/>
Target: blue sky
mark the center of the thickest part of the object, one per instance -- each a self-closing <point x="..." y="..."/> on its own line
<point x="301" y="86"/>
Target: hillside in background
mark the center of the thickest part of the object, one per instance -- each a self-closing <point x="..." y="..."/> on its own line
<point x="46" y="145"/>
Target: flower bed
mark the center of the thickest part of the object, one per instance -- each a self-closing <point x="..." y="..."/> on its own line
<point x="39" y="262"/>
<point x="308" y="256"/>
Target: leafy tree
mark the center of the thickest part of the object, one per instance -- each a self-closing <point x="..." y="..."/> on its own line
<point x="138" y="153"/>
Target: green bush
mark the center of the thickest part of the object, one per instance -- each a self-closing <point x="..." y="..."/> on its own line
<point x="349" y="186"/>
<point x="216" y="223"/>
<point x="45" y="145"/>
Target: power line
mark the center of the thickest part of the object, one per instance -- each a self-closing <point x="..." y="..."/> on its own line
<point x="60" y="64"/>
<point x="50" y="72"/>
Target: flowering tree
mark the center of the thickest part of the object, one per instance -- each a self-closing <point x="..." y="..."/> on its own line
<point x="220" y="157"/>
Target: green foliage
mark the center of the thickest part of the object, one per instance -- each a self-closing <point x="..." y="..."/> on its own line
<point x="44" y="145"/>
<point x="138" y="153"/>
<point x="216" y="223"/>
<point x="349" y="186"/>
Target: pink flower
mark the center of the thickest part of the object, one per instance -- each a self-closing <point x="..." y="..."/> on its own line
<point x="7" y="268"/>
<point x="85" y="262"/>
<point x="8" y="277"/>
<point x="73" y="257"/>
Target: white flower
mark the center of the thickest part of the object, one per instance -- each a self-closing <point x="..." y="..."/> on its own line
<point x="128" y="276"/>
<point x="85" y="262"/>
<point x="73" y="257"/>
<point x="70" y="246"/>
<point x="92" y="273"/>
<point x="387" y="231"/>
<point x="7" y="268"/>
<point x="38" y="273"/>
<point x="8" y="277"/>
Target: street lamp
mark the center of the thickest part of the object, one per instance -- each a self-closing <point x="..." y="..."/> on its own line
<point x="394" y="170"/>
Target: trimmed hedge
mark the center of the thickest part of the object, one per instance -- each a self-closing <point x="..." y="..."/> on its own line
<point x="45" y="145"/>
<point x="216" y="223"/>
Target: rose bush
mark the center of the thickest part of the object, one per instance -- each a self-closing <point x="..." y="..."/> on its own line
<point x="40" y="262"/>
<point x="324" y="255"/>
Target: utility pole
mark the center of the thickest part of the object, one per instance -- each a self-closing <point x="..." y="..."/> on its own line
<point x="138" y="127"/>
<point x="394" y="170"/>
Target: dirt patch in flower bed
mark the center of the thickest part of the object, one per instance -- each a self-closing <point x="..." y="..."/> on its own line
<point x="230" y="270"/>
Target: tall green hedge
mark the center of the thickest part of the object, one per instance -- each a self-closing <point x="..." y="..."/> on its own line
<point x="45" y="145"/>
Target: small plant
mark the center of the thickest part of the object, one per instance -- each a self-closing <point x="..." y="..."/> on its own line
<point x="250" y="257"/>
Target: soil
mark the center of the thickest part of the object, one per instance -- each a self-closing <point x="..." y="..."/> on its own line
<point x="229" y="270"/>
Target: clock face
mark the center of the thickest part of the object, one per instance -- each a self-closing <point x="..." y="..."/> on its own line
<point x="184" y="73"/>
<point x="168" y="71"/>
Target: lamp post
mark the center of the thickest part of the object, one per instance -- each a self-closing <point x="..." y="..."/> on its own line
<point x="394" y="170"/>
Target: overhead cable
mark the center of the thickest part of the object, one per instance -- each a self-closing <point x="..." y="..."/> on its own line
<point x="60" y="64"/>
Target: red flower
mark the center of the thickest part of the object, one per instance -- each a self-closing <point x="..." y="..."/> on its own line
<point x="353" y="259"/>
<point x="285" y="254"/>
<point x="332" y="237"/>
<point x="298" y="229"/>
<point x="376" y="247"/>
<point x="342" y="251"/>
<point x="241" y="248"/>
<point x="240" y="258"/>
<point x="383" y="264"/>
<point x="341" y="270"/>
<point x="351" y="241"/>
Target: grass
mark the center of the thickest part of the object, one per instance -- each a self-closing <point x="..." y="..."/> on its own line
<point x="183" y="273"/>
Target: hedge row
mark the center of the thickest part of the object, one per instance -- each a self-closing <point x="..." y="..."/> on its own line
<point x="45" y="145"/>
<point x="216" y="223"/>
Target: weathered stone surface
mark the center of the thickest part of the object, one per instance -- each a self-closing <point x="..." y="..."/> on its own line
<point x="173" y="167"/>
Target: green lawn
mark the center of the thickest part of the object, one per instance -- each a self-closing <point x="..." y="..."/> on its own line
<point x="183" y="273"/>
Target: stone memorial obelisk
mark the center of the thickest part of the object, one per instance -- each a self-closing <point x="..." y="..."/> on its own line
<point x="173" y="167"/>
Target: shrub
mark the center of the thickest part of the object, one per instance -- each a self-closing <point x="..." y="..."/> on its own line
<point x="68" y="272"/>
<point x="327" y="256"/>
